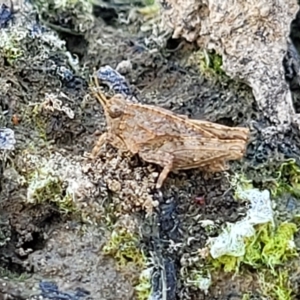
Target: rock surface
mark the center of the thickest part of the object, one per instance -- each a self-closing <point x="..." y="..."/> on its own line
<point x="252" y="38"/>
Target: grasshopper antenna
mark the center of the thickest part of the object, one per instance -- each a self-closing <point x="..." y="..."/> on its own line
<point x="96" y="90"/>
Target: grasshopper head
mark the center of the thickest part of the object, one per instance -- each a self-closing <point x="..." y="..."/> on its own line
<point x="114" y="107"/>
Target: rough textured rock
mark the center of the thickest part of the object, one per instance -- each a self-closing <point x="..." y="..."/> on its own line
<point x="252" y="38"/>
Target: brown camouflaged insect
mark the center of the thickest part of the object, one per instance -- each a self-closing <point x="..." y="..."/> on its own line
<point x="171" y="141"/>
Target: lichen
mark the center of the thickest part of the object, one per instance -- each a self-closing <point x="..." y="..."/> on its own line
<point x="276" y="286"/>
<point x="10" y="44"/>
<point x="199" y="279"/>
<point x="124" y="247"/>
<point x="44" y="187"/>
<point x="144" y="287"/>
<point x="268" y="250"/>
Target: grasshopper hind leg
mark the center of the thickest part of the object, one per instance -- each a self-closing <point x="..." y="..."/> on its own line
<point x="163" y="175"/>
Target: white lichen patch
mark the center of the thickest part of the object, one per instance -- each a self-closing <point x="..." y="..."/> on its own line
<point x="252" y="38"/>
<point x="231" y="240"/>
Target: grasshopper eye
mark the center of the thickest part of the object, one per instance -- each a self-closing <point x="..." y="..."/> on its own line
<point x="115" y="111"/>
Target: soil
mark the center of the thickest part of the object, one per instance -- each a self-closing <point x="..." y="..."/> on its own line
<point x="45" y="100"/>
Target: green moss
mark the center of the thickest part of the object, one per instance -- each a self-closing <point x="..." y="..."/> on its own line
<point x="149" y="2"/>
<point x="246" y="296"/>
<point x="33" y="115"/>
<point x="266" y="252"/>
<point x="123" y="246"/>
<point x="271" y="247"/>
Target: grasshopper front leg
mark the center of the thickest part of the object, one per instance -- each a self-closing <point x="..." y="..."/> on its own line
<point x="108" y="138"/>
<point x="160" y="158"/>
<point x="101" y="141"/>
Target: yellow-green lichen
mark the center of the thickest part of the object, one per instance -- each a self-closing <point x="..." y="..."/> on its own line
<point x="10" y="45"/>
<point x="268" y="248"/>
<point x="276" y="286"/>
<point x="124" y="247"/>
<point x="143" y="288"/>
<point x="44" y="187"/>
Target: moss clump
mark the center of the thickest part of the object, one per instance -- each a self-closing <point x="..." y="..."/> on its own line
<point x="271" y="247"/>
<point x="44" y="187"/>
<point x="124" y="247"/>
<point x="266" y="252"/>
